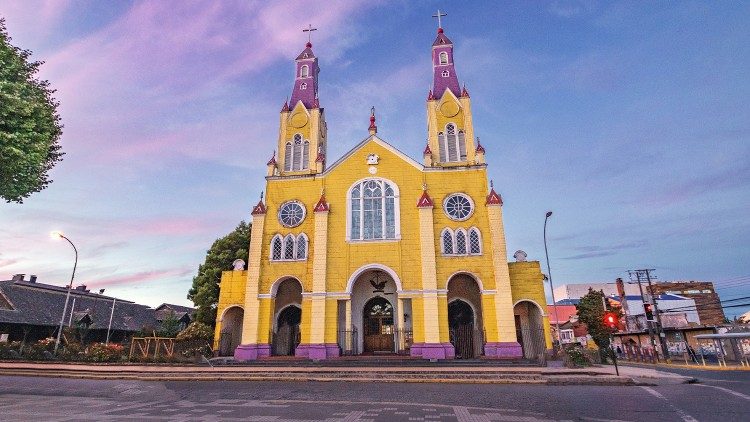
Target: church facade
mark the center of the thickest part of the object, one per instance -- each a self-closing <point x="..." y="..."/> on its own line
<point x="377" y="252"/>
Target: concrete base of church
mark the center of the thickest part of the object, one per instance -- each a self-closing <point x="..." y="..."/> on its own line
<point x="252" y="351"/>
<point x="503" y="350"/>
<point x="318" y="351"/>
<point x="433" y="350"/>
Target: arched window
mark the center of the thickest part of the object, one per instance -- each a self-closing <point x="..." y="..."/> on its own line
<point x="447" y="242"/>
<point x="276" y="248"/>
<point x="303" y="86"/>
<point x="460" y="242"/>
<point x="475" y="242"/>
<point x="450" y="145"/>
<point x="304" y="71"/>
<point x="443" y="58"/>
<point x="301" y="247"/>
<point x="288" y="156"/>
<point x="289" y="247"/>
<point x="446" y="73"/>
<point x="373" y="210"/>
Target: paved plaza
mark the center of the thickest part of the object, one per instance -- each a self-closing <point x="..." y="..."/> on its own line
<point x="718" y="396"/>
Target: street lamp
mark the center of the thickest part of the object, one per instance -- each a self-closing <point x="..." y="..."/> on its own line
<point x="59" y="235"/>
<point x="551" y="286"/>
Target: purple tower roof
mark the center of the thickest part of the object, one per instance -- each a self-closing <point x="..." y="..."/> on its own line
<point x="442" y="65"/>
<point x="306" y="79"/>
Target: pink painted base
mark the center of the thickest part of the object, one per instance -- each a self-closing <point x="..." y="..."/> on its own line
<point x="252" y="351"/>
<point x="318" y="351"/>
<point x="503" y="350"/>
<point x="433" y="350"/>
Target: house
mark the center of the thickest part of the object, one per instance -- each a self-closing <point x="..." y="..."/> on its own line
<point x="183" y="314"/>
<point x="30" y="311"/>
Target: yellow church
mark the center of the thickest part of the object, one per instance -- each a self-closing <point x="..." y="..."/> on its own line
<point x="377" y="253"/>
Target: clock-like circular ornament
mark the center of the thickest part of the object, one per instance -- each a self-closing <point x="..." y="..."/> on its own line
<point x="458" y="207"/>
<point x="291" y="214"/>
<point x="299" y="119"/>
<point x="449" y="108"/>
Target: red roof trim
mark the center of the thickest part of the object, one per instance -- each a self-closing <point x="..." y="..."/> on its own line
<point x="425" y="201"/>
<point x="493" y="198"/>
<point x="259" y="209"/>
<point x="322" y="205"/>
<point x="427" y="150"/>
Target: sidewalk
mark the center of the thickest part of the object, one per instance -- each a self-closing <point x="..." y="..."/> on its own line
<point x="603" y="375"/>
<point x="682" y="365"/>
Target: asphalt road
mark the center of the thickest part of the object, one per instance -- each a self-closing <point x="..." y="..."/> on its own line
<point x="50" y="399"/>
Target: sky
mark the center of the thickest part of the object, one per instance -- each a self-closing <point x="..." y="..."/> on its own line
<point x="628" y="120"/>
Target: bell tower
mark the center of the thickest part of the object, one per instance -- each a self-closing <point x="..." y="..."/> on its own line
<point x="302" y="125"/>
<point x="450" y="132"/>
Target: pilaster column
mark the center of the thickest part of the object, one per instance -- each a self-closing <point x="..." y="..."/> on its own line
<point x="250" y="347"/>
<point x="432" y="348"/>
<point x="507" y="345"/>
<point x="316" y="347"/>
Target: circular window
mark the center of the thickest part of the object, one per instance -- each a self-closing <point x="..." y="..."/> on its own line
<point x="458" y="206"/>
<point x="291" y="214"/>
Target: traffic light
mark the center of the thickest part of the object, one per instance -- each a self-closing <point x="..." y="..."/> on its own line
<point x="610" y="320"/>
<point x="647" y="307"/>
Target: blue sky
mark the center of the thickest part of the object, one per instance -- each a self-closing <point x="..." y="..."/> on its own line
<point x="628" y="120"/>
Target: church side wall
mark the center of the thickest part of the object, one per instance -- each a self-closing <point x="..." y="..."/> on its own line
<point x="526" y="281"/>
<point x="231" y="293"/>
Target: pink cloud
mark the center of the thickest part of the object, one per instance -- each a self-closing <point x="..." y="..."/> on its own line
<point x="139" y="277"/>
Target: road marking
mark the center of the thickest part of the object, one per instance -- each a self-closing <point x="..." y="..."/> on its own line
<point x="726" y="390"/>
<point x="684" y="416"/>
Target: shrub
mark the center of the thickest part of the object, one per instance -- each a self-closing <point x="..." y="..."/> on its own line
<point x="577" y="356"/>
<point x="196" y="331"/>
<point x="41" y="350"/>
<point x="100" y="352"/>
<point x="72" y="352"/>
<point x="10" y="350"/>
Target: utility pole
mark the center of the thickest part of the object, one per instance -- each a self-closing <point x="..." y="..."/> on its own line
<point x="637" y="275"/>
<point x="659" y="326"/>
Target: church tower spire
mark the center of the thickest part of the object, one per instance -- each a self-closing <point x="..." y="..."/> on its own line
<point x="449" y="123"/>
<point x="302" y="126"/>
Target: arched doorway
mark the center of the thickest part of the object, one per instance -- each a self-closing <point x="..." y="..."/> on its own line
<point x="231" y="330"/>
<point x="287" y="336"/>
<point x="288" y="314"/>
<point x="461" y="326"/>
<point x="529" y="329"/>
<point x="378" y="325"/>
<point x="465" y="323"/>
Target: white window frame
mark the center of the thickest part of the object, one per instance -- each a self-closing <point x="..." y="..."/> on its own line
<point x="440" y="58"/>
<point x="567" y="336"/>
<point x="471" y="202"/>
<point x="295" y="242"/>
<point x="396" y="212"/>
<point x="454" y="244"/>
<point x="302" y="86"/>
<point x="304" y="71"/>
<point x="446" y="73"/>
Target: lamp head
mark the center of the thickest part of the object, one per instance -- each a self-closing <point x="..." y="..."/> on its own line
<point x="549" y="213"/>
<point x="56" y="234"/>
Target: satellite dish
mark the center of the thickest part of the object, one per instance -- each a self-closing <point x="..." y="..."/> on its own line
<point x="238" y="265"/>
<point x="520" y="256"/>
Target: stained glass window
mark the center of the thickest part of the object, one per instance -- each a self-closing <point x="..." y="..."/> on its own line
<point x="447" y="242"/>
<point x="276" y="248"/>
<point x="291" y="214"/>
<point x="289" y="247"/>
<point x="475" y="242"/>
<point x="460" y="242"/>
<point x="458" y="206"/>
<point x="301" y="247"/>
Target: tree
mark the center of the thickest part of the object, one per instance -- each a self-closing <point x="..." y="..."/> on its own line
<point x="591" y="312"/>
<point x="205" y="290"/>
<point x="29" y="124"/>
<point x="170" y="327"/>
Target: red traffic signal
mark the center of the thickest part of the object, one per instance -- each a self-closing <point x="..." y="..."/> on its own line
<point x="610" y="320"/>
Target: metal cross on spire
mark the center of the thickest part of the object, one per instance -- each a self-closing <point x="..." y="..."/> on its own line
<point x="438" y="16"/>
<point x="309" y="31"/>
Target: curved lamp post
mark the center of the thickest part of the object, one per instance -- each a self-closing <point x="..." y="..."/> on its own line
<point x="551" y="286"/>
<point x="59" y="235"/>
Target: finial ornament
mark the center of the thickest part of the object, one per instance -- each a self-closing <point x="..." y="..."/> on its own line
<point x="424" y="186"/>
<point x="438" y="16"/>
<point x="309" y="31"/>
<point x="373" y="128"/>
<point x="492" y="184"/>
<point x="261" y="195"/>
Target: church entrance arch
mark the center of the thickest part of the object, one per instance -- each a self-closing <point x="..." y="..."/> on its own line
<point x="374" y="316"/>
<point x="465" y="323"/>
<point x="288" y="314"/>
<point x="529" y="329"/>
<point x="231" y="330"/>
<point x="378" y="325"/>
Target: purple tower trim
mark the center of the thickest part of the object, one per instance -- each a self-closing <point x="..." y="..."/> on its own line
<point x="433" y="351"/>
<point x="442" y="64"/>
<point x="317" y="351"/>
<point x="305" y="79"/>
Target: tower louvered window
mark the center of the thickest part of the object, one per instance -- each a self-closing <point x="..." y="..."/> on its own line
<point x="462" y="145"/>
<point x="288" y="156"/>
<point x="304" y="71"/>
<point x="305" y="155"/>
<point x="297" y="154"/>
<point x="443" y="58"/>
<point x="451" y="146"/>
<point x="441" y="141"/>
